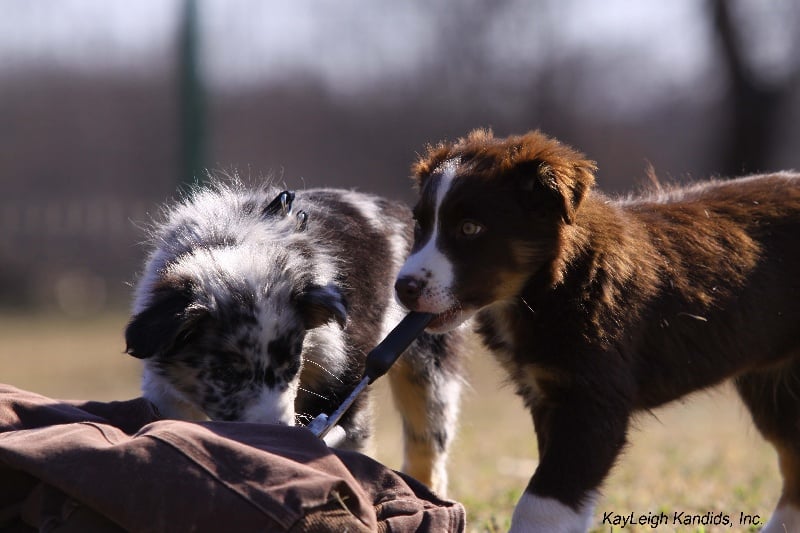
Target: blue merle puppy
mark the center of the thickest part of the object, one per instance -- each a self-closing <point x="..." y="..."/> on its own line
<point x="258" y="305"/>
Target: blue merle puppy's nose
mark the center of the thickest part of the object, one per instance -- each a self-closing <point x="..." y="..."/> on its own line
<point x="408" y="290"/>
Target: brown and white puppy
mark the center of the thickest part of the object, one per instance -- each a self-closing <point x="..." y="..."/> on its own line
<point x="257" y="305"/>
<point x="600" y="308"/>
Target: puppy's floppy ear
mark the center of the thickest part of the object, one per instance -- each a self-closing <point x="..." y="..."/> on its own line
<point x="170" y="317"/>
<point x="320" y="304"/>
<point x="545" y="166"/>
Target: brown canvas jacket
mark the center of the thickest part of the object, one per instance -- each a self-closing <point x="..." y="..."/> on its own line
<point x="67" y="466"/>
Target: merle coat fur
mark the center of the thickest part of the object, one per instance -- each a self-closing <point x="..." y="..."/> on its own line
<point x="258" y="305"/>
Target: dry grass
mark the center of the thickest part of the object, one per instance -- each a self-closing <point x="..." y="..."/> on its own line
<point x="696" y="457"/>
<point x="68" y="358"/>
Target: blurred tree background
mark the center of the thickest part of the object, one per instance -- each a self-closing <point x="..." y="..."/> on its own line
<point x="102" y="111"/>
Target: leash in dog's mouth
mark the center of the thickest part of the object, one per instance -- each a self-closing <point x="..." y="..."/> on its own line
<point x="378" y="362"/>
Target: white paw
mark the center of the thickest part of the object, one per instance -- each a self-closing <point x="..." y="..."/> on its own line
<point x="535" y="514"/>
<point x="785" y="519"/>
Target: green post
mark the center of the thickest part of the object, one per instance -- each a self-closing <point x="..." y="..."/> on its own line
<point x="191" y="99"/>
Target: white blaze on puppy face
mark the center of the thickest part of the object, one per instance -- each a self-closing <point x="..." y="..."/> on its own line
<point x="428" y="263"/>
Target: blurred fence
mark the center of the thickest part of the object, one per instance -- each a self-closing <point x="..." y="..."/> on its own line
<point x="345" y="95"/>
<point x="71" y="256"/>
<point x="37" y="225"/>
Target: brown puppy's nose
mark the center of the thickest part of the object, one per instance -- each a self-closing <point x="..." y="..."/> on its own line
<point x="408" y="289"/>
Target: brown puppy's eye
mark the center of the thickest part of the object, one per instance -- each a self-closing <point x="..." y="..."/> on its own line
<point x="470" y="229"/>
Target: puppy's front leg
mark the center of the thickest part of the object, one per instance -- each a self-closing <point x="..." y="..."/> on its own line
<point x="579" y="437"/>
<point x="427" y="392"/>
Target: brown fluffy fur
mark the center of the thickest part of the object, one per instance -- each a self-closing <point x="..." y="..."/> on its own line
<point x="600" y="308"/>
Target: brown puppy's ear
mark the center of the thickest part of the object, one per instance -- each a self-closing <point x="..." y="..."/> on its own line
<point x="320" y="304"/>
<point x="170" y="317"/>
<point x="545" y="166"/>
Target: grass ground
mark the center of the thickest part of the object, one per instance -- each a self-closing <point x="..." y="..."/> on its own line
<point x="699" y="457"/>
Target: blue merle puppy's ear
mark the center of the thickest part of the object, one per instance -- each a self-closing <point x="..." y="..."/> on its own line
<point x="169" y="318"/>
<point x="320" y="304"/>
